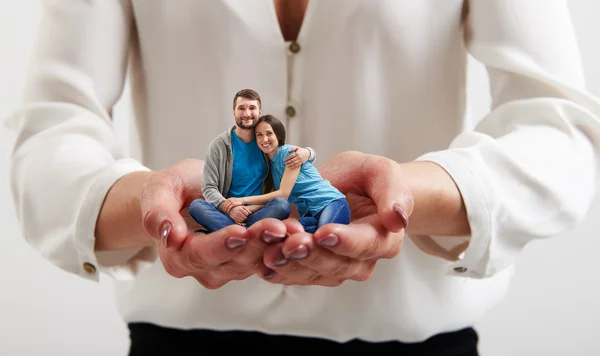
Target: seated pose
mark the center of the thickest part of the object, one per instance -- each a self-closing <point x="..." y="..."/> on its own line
<point x="317" y="201"/>
<point x="236" y="167"/>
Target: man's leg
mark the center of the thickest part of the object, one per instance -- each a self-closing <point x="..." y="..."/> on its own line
<point x="277" y="208"/>
<point x="208" y="216"/>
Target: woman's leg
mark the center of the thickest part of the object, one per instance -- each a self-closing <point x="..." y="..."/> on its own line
<point x="208" y="216"/>
<point x="277" y="208"/>
<point x="309" y="224"/>
<point x="337" y="212"/>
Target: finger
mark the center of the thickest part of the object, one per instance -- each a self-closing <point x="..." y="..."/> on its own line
<point x="363" y="239"/>
<point x="293" y="226"/>
<point x="268" y="230"/>
<point x="301" y="250"/>
<point x="302" y="277"/>
<point x="161" y="202"/>
<point x="238" y="218"/>
<point x="265" y="231"/>
<point x="382" y="182"/>
<point x="276" y="260"/>
<point x="204" y="251"/>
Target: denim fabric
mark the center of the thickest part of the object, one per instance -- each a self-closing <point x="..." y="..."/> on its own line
<point x="213" y="219"/>
<point x="337" y="212"/>
<point x="311" y="193"/>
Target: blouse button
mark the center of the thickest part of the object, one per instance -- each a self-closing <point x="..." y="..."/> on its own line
<point x="294" y="47"/>
<point x="290" y="111"/>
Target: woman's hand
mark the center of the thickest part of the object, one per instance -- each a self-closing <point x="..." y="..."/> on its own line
<point x="231" y="203"/>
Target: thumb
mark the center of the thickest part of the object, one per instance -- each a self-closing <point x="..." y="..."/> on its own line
<point x="384" y="184"/>
<point x="161" y="203"/>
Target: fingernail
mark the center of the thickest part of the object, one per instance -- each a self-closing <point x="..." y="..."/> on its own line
<point x="398" y="209"/>
<point x="235" y="242"/>
<point x="280" y="260"/>
<point x="299" y="253"/>
<point x="165" y="229"/>
<point x="269" y="274"/>
<point x="271" y="237"/>
<point x="329" y="241"/>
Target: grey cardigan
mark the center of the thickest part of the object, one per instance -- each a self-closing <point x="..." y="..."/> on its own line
<point x="218" y="167"/>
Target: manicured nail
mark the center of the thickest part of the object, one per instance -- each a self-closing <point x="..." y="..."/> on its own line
<point x="269" y="274"/>
<point x="270" y="237"/>
<point x="329" y="241"/>
<point x="235" y="242"/>
<point x="398" y="209"/>
<point x="299" y="253"/>
<point x="165" y="229"/>
<point x="280" y="260"/>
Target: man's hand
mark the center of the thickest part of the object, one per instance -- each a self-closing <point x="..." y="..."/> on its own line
<point x="214" y="259"/>
<point x="380" y="205"/>
<point x="239" y="214"/>
<point x="299" y="157"/>
<point x="231" y="203"/>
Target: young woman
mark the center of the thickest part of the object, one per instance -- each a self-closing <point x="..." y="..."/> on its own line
<point x="317" y="201"/>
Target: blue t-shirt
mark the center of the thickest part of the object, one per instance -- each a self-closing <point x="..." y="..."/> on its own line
<point x="311" y="193"/>
<point x="249" y="168"/>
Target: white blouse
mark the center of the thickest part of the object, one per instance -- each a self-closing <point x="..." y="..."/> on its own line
<point x="381" y="77"/>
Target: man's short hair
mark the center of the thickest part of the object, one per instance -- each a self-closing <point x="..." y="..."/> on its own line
<point x="248" y="94"/>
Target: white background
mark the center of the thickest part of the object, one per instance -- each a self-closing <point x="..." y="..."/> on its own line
<point x="551" y="309"/>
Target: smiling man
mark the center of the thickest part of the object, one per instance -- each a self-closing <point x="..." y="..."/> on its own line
<point x="235" y="167"/>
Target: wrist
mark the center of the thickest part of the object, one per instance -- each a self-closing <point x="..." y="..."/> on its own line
<point x="119" y="224"/>
<point x="438" y="205"/>
<point x="311" y="154"/>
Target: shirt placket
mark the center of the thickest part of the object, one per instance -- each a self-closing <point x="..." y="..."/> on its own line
<point x="292" y="109"/>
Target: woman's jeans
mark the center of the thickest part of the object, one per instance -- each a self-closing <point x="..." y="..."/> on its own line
<point x="337" y="212"/>
<point x="213" y="219"/>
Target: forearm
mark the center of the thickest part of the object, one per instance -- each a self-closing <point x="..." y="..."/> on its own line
<point x="438" y="206"/>
<point x="263" y="199"/>
<point x="119" y="224"/>
<point x="254" y="208"/>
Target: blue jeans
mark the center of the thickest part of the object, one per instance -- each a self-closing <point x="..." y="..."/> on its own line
<point x="213" y="219"/>
<point x="337" y="212"/>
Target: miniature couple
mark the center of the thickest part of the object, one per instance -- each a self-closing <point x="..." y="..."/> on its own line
<point x="250" y="174"/>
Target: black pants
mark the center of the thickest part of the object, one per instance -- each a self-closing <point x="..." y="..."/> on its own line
<point x="148" y="339"/>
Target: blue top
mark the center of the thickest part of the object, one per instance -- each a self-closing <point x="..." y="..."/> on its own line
<point x="311" y="193"/>
<point x="249" y="168"/>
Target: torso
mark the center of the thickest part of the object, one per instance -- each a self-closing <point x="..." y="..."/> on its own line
<point x="370" y="76"/>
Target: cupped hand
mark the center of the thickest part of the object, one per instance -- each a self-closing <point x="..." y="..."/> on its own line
<point x="380" y="204"/>
<point x="232" y="253"/>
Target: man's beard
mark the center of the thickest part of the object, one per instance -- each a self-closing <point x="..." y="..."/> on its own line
<point x="241" y="125"/>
